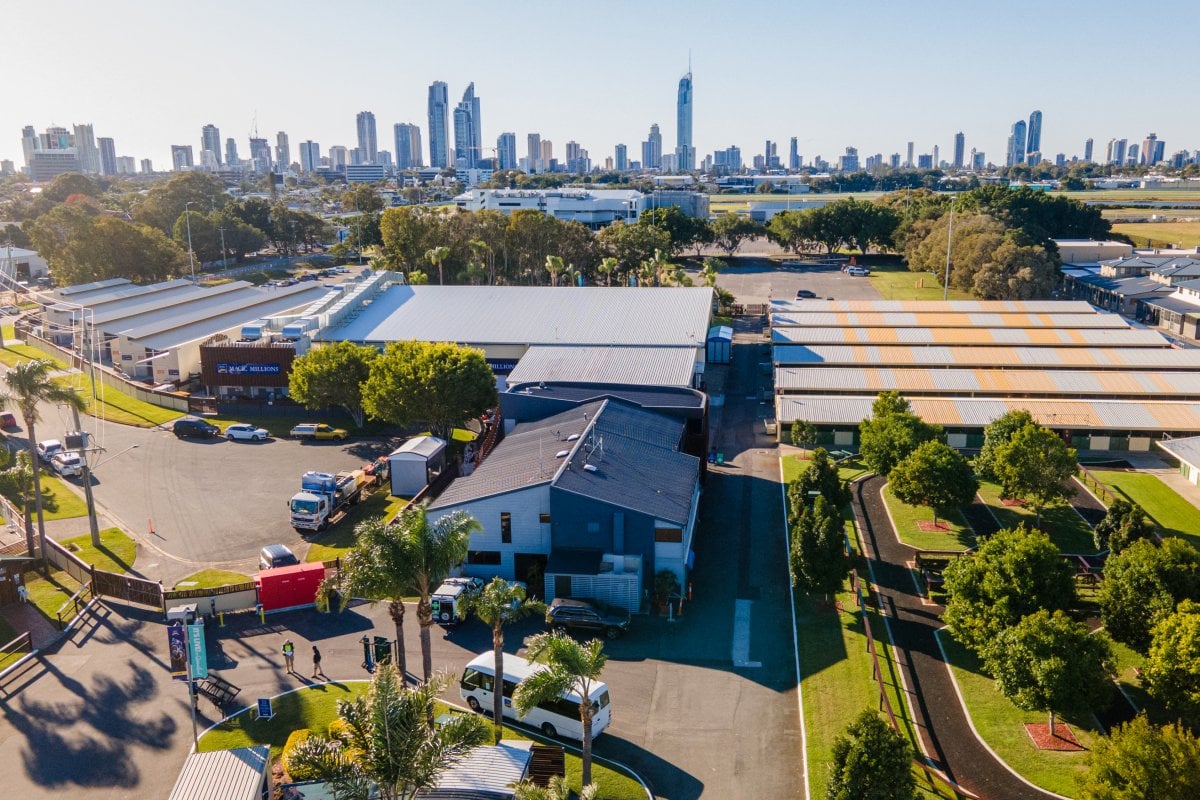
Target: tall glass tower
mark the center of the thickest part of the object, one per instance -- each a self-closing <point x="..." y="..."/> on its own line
<point x="439" y="143"/>
<point x="685" y="151"/>
<point x="1016" y="144"/>
<point x="1034" y="142"/>
<point x="368" y="142"/>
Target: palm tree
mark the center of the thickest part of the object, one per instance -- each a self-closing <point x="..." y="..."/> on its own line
<point x="554" y="265"/>
<point x="435" y="256"/>
<point x="30" y="384"/>
<point x="377" y="568"/>
<point x="558" y="789"/>
<point x="607" y="267"/>
<point x="499" y="603"/>
<point x="383" y="746"/>
<point x="571" y="667"/>
<point x="433" y="550"/>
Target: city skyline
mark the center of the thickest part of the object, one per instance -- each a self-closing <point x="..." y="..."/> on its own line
<point x="761" y="94"/>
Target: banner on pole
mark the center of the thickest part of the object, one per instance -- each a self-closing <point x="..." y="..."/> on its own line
<point x="177" y="647"/>
<point x="196" y="651"/>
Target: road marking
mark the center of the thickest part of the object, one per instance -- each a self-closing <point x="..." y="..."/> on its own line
<point x="741" y="635"/>
<point x="787" y="549"/>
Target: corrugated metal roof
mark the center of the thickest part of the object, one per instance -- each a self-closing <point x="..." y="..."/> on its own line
<point x="994" y="381"/>
<point x="944" y="319"/>
<point x="164" y="303"/>
<point x="1101" y="337"/>
<point x="490" y="770"/>
<point x="940" y="306"/>
<point x="223" y="775"/>
<point x="1186" y="450"/>
<point x="122" y="291"/>
<point x="210" y="325"/>
<point x="901" y="356"/>
<point x="532" y="315"/>
<point x="628" y="366"/>
<point x="216" y="306"/>
<point x="84" y="288"/>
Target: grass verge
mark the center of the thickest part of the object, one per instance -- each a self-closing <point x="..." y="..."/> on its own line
<point x="907" y="520"/>
<point x="895" y="283"/>
<point x="59" y="502"/>
<point x="48" y="593"/>
<point x="1171" y="513"/>
<point x="211" y="579"/>
<point x="116" y="552"/>
<point x="334" y="543"/>
<point x="315" y="707"/>
<point x="1069" y="531"/>
<point x="1181" y="234"/>
<point x="849" y="470"/>
<point x="117" y="406"/>
<point x="1001" y="725"/>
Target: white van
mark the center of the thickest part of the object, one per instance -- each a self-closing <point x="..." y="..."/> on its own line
<point x="557" y="718"/>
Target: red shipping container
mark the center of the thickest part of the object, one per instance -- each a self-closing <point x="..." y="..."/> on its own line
<point x="288" y="587"/>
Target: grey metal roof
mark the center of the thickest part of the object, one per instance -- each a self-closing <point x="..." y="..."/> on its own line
<point x="1186" y="450"/>
<point x="1006" y="382"/>
<point x="83" y="288"/>
<point x="125" y="291"/>
<point x="160" y="301"/>
<point x="532" y="315"/>
<point x="223" y="775"/>
<point x="628" y="366"/>
<point x="208" y="325"/>
<point x="1173" y="303"/>
<point x="485" y="772"/>
<point x="235" y="301"/>
<point x="1127" y="287"/>
<point x="646" y="397"/>
<point x="965" y="356"/>
<point x="939" y="306"/>
<point x="423" y="446"/>
<point x="943" y="319"/>
<point x="124" y="320"/>
<point x="1127" y="337"/>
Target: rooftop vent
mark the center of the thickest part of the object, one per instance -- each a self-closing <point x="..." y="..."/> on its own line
<point x="562" y="454"/>
<point x="591" y="467"/>
<point x="572" y="437"/>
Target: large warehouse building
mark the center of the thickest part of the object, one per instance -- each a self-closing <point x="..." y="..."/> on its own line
<point x="1085" y="373"/>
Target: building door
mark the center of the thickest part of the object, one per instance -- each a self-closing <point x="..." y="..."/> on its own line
<point x="562" y="585"/>
<point x="530" y="569"/>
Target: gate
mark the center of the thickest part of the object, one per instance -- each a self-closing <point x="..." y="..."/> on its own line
<point x="127" y="588"/>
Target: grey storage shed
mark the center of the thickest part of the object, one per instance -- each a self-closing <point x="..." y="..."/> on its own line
<point x="416" y="463"/>
<point x="719" y="344"/>
<point x="239" y="774"/>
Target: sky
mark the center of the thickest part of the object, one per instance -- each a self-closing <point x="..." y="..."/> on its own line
<point x="872" y="75"/>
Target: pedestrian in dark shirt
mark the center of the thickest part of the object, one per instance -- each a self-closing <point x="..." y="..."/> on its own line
<point x="317" y="664"/>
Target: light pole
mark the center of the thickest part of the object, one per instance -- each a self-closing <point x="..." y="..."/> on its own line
<point x="224" y="261"/>
<point x="949" y="239"/>
<point x="187" y="213"/>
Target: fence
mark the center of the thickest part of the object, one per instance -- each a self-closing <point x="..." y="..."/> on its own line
<point x="74" y="606"/>
<point x="105" y="584"/>
<point x="1092" y="483"/>
<point x="22" y="645"/>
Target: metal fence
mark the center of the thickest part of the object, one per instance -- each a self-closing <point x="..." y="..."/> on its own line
<point x="18" y="647"/>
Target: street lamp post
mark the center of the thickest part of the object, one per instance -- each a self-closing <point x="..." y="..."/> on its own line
<point x="187" y="213"/>
<point x="949" y="239"/>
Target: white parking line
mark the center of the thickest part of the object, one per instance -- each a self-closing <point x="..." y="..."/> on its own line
<point x="741" y="635"/>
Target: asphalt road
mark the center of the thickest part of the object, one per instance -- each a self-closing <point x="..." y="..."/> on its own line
<point x="759" y="280"/>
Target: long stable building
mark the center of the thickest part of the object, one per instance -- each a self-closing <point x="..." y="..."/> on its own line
<point x="1088" y="374"/>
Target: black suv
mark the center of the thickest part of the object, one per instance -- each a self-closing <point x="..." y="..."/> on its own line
<point x="586" y="615"/>
<point x="194" y="428"/>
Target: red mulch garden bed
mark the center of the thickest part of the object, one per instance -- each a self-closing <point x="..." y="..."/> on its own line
<point x="929" y="525"/>
<point x="1012" y="501"/>
<point x="1063" y="739"/>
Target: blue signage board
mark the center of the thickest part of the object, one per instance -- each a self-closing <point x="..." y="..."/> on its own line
<point x="233" y="368"/>
<point x="197" y="655"/>
<point x="264" y="708"/>
<point x="177" y="648"/>
<point x="502" y="366"/>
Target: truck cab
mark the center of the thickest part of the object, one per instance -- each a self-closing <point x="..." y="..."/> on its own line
<point x="323" y="497"/>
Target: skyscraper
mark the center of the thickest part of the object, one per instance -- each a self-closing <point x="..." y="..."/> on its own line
<point x="1034" y="143"/>
<point x="85" y="148"/>
<point x="652" y="149"/>
<point x="310" y="156"/>
<point x="210" y="139"/>
<point x="909" y="161"/>
<point x="147" y="166"/>
<point x="337" y="157"/>
<point x="1016" y="144"/>
<point x="1115" y="152"/>
<point x="621" y="159"/>
<point x="1151" y="152"/>
<point x="181" y="157"/>
<point x="468" y="141"/>
<point x="29" y="143"/>
<point x="794" y="154"/>
<point x="408" y="145"/>
<point x="506" y="150"/>
<point x="685" y="151"/>
<point x="108" y="156"/>
<point x="533" y="146"/>
<point x="260" y="154"/>
<point x="1087" y="150"/>
<point x="283" y="151"/>
<point x="231" y="155"/>
<point x="960" y="147"/>
<point x="439" y="142"/>
<point x="368" y="143"/>
<point x="547" y="155"/>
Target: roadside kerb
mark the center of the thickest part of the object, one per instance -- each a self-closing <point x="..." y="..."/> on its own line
<point x="787" y="554"/>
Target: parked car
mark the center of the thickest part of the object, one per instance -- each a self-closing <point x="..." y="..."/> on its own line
<point x="446" y="601"/>
<point x="858" y="272"/>
<point x="8" y="420"/>
<point x="9" y="311"/>
<point x="48" y="449"/>
<point x="805" y="294"/>
<point x="317" y="431"/>
<point x="276" y="555"/>
<point x="194" y="428"/>
<point x="240" y="431"/>
<point x="67" y="465"/>
<point x="589" y="616"/>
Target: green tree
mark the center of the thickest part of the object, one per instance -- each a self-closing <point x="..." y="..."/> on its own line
<point x="362" y="198"/>
<point x="437" y="256"/>
<point x="608" y="266"/>
<point x="16" y="485"/>
<point x="382" y="742"/>
<point x="498" y="604"/>
<point x="819" y="564"/>
<point x="1124" y="524"/>
<point x="804" y="434"/>
<point x="821" y="479"/>
<point x="67" y="184"/>
<point x="934" y="475"/>
<point x="1143" y="584"/>
<point x="409" y="232"/>
<point x="1172" y="670"/>
<point x="29" y="386"/>
<point x="332" y="375"/>
<point x="634" y="244"/>
<point x="558" y="789"/>
<point x="438" y="384"/>
<point x="571" y="667"/>
<point x="996" y="434"/>
<point x="554" y="266"/>
<point x="1011" y="575"/>
<point x="81" y="246"/>
<point x="1053" y="664"/>
<point x="729" y="231"/>
<point x="1140" y="761"/>
<point x="891" y="433"/>
<point x="871" y="762"/>
<point x="683" y="231"/>
<point x="1035" y="466"/>
<point x="165" y="202"/>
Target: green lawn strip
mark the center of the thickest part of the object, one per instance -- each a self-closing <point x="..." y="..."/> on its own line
<point x="59" y="502"/>
<point x="115" y="554"/>
<point x="315" y="707"/>
<point x="14" y="353"/>
<point x="115" y="405"/>
<point x="49" y="593"/>
<point x="335" y="541"/>
<point x="7" y="634"/>
<point x="907" y="520"/>
<point x="894" y="283"/>
<point x="211" y="579"/>
<point x="1061" y="522"/>
<point x="849" y="470"/>
<point x="1001" y="725"/>
<point x="1170" y="512"/>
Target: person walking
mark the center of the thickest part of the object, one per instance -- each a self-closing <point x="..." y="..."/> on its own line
<point x="289" y="656"/>
<point x="317" y="664"/>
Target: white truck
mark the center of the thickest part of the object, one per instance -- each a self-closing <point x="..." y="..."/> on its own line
<point x="324" y="498"/>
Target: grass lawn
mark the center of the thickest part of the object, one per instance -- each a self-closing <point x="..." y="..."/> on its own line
<point x="115" y="554"/>
<point x="117" y="406"/>
<point x="48" y="594"/>
<point x="335" y="541"/>
<point x="894" y="283"/>
<point x="1069" y="532"/>
<point x="14" y="353"/>
<point x="907" y="520"/>
<point x="210" y="579"/>
<point x="1170" y="512"/>
<point x="314" y="708"/>
<point x="7" y="634"/>
<point x="849" y="470"/>
<point x="1182" y="234"/>
<point x="1001" y="725"/>
<point x="59" y="502"/>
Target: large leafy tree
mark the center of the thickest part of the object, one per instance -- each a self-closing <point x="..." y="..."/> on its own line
<point x="819" y="563"/>
<point x="498" y="604"/>
<point x="82" y="246"/>
<point x="332" y="375"/>
<point x="408" y="232"/>
<point x="1035" y="465"/>
<point x="996" y="434"/>
<point x="892" y="432"/>
<point x="729" y="231"/>
<point x="425" y="382"/>
<point x="871" y="762"/>
<point x="633" y="244"/>
<point x="382" y="745"/>
<point x="1124" y="524"/>
<point x="165" y="202"/>
<point x="1013" y="574"/>
<point x="1143" y="584"/>
<point x="1140" y="761"/>
<point x="571" y="666"/>
<point x="684" y="231"/>
<point x="821" y="479"/>
<point x="1048" y="662"/>
<point x="934" y="475"/>
<point x="215" y="230"/>
<point x="1172" y="670"/>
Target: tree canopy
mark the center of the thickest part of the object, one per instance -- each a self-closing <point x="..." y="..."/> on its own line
<point x="1140" y="761"/>
<point x="1144" y="583"/>
<point x="934" y="475"/>
<point x="821" y="479"/>
<point x="332" y="375"/>
<point x="1124" y="524"/>
<point x="871" y="762"/>
<point x="996" y="434"/>
<point x="819" y="564"/>
<point x="729" y="230"/>
<point x="891" y="433"/>
<point x="81" y="246"/>
<point x="1172" y="670"/>
<point x="1035" y="465"/>
<point x="434" y="383"/>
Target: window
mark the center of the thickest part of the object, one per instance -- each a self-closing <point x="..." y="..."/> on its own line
<point x="544" y="519"/>
<point x="505" y="527"/>
<point x="485" y="557"/>
<point x="668" y="535"/>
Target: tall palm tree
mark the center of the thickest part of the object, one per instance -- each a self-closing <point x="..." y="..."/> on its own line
<point x="571" y="667"/>
<point x="384" y="748"/>
<point x="433" y="550"/>
<point x="29" y="385"/>
<point x="607" y="267"/>
<point x="554" y="265"/>
<point x="558" y="789"/>
<point x="377" y="568"/>
<point x="435" y="256"/>
<point x="498" y="604"/>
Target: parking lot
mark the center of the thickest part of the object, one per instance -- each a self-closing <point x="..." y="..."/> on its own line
<point x="759" y="280"/>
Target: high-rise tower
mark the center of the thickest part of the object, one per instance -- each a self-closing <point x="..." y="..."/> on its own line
<point x="1016" y="144"/>
<point x="1034" y="142"/>
<point x="960" y="147"/>
<point x="368" y="143"/>
<point x="439" y="143"/>
<point x="685" y="151"/>
<point x="468" y="141"/>
<point x="210" y="139"/>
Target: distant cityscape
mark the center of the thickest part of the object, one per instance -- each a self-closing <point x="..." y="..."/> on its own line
<point x="456" y="142"/>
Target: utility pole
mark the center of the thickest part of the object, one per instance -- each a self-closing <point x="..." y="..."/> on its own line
<point x="87" y="477"/>
<point x="187" y="212"/>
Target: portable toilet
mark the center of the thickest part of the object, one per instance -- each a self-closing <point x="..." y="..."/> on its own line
<point x="719" y="344"/>
<point x="415" y="463"/>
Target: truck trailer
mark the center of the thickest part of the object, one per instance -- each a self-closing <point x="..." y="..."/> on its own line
<point x="324" y="498"/>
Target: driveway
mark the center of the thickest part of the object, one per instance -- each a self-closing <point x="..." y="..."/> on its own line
<point x="760" y="280"/>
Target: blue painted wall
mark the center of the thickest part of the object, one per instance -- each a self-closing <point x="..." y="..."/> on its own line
<point x="570" y="515"/>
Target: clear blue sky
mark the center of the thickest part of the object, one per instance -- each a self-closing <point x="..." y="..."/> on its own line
<point x="869" y="74"/>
